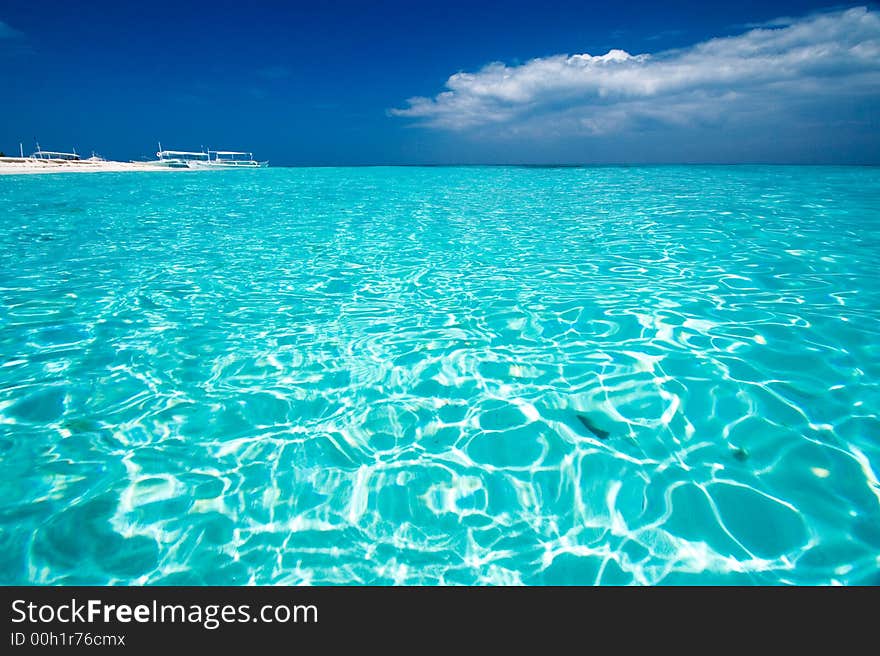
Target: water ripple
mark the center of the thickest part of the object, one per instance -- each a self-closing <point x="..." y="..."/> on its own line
<point x="456" y="376"/>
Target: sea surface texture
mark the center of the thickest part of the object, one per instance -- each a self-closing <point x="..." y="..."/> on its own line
<point x="660" y="375"/>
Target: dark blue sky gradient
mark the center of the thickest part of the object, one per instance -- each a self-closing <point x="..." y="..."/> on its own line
<point x="310" y="83"/>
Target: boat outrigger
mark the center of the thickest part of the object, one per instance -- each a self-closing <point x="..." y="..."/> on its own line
<point x="211" y="159"/>
<point x="52" y="155"/>
<point x="179" y="159"/>
<point x="232" y="159"/>
<point x="46" y="161"/>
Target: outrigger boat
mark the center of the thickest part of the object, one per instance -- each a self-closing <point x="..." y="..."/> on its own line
<point x="51" y="155"/>
<point x="230" y="159"/>
<point x="211" y="159"/>
<point x="178" y="159"/>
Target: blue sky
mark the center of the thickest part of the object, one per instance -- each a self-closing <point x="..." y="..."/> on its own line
<point x="452" y="82"/>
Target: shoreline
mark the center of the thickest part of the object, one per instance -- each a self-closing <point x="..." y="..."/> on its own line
<point x="26" y="166"/>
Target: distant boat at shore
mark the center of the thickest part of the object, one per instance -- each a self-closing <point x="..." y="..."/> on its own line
<point x="52" y="161"/>
<point x="178" y="159"/>
<point x="52" y="155"/>
<point x="45" y="161"/>
<point x="232" y="159"/>
<point x="211" y="159"/>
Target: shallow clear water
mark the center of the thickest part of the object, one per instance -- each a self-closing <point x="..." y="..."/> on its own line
<point x="453" y="375"/>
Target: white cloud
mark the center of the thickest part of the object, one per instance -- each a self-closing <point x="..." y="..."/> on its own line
<point x="7" y="32"/>
<point x="786" y="69"/>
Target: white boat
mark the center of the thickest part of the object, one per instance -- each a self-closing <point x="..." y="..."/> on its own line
<point x="230" y="159"/>
<point x="179" y="159"/>
<point x="54" y="156"/>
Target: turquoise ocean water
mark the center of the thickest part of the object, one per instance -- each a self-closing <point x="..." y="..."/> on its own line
<point x="453" y="375"/>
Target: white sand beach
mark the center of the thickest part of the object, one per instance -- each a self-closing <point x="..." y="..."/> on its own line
<point x="27" y="165"/>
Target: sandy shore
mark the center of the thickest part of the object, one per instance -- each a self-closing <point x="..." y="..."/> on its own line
<point x="19" y="166"/>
